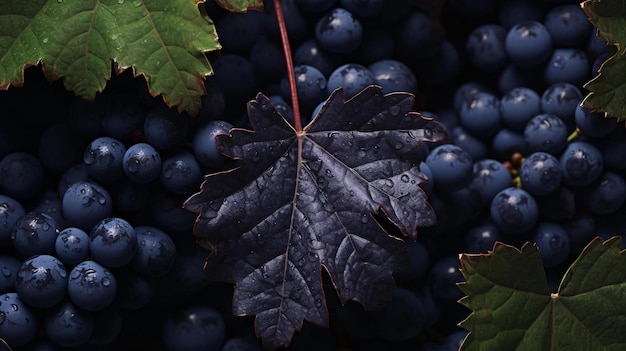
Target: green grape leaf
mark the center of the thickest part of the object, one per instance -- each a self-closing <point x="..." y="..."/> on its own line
<point x="606" y="90"/>
<point x="512" y="308"/>
<point x="240" y="5"/>
<point x="163" y="40"/>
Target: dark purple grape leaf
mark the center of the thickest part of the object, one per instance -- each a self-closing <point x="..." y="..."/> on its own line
<point x="300" y="201"/>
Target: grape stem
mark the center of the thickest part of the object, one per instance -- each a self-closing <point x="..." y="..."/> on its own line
<point x="291" y="76"/>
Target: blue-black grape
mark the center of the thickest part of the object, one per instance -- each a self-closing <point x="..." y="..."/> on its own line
<point x="489" y="177"/>
<point x="451" y="167"/>
<point x="181" y="173"/>
<point x="19" y="324"/>
<point x="86" y="203"/>
<point x="72" y="246"/>
<point x="103" y="157"/>
<point x="310" y="85"/>
<point x="21" y="175"/>
<point x="553" y="243"/>
<point x="378" y="46"/>
<point x="394" y="76"/>
<point x="514" y="211"/>
<point x="165" y="129"/>
<point x="10" y="211"/>
<point x="205" y="331"/>
<point x="311" y="53"/>
<point x="91" y="286"/>
<point x="352" y="77"/>
<point x="338" y="31"/>
<point x="34" y="234"/>
<point x="567" y="65"/>
<point x="205" y="147"/>
<point x="241" y="344"/>
<point x="606" y="195"/>
<point x="443" y="278"/>
<point x="480" y="114"/>
<point x="41" y="281"/>
<point x="568" y="25"/>
<point x="528" y="44"/>
<point x="593" y="124"/>
<point x="481" y="239"/>
<point x="514" y="77"/>
<point x="540" y="173"/>
<point x="141" y="163"/>
<point x="113" y="242"/>
<point x="560" y="99"/>
<point x="582" y="163"/>
<point x="485" y="46"/>
<point x="518" y="106"/>
<point x="155" y="252"/>
<point x="68" y="326"/>
<point x="547" y="133"/>
<point x="440" y="68"/>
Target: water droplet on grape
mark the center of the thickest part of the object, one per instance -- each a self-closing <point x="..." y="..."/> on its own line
<point x="132" y="165"/>
<point x="106" y="281"/>
<point x="89" y="157"/>
<point x="75" y="274"/>
<point x="15" y="307"/>
<point x="2" y="318"/>
<point x="405" y="178"/>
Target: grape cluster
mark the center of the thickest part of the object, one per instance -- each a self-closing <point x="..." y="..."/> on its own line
<point x="96" y="251"/>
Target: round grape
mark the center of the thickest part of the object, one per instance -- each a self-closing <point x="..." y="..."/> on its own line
<point x="489" y="178"/>
<point x="86" y="203"/>
<point x="582" y="163"/>
<point x="486" y="48"/>
<point x="68" y="326"/>
<point x="480" y="114"/>
<point x="18" y="324"/>
<point x="41" y="281"/>
<point x="181" y="173"/>
<point x="338" y="31"/>
<point x="451" y="167"/>
<point x="568" y="25"/>
<point x="103" y="158"/>
<point x="514" y="211"/>
<point x="72" y="246"/>
<point x="165" y="129"/>
<point x="553" y="243"/>
<point x="528" y="43"/>
<point x="606" y="195"/>
<point x="34" y="234"/>
<point x="594" y="124"/>
<point x="547" y="133"/>
<point x="141" y="163"/>
<point x="113" y="242"/>
<point x="155" y="252"/>
<point x="541" y="174"/>
<point x="394" y="76"/>
<point x="352" y="77"/>
<point x="567" y="65"/>
<point x="91" y="286"/>
<point x="518" y="106"/>
<point x="205" y="146"/>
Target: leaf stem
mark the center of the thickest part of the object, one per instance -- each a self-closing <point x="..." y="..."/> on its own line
<point x="291" y="76"/>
